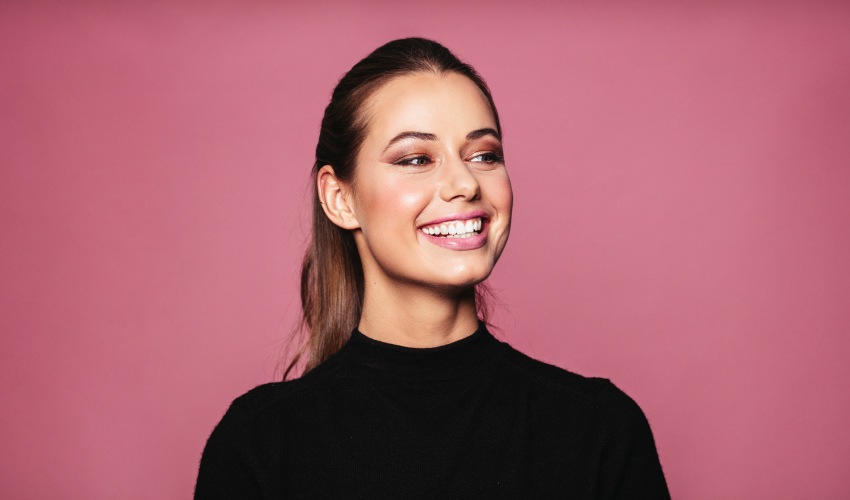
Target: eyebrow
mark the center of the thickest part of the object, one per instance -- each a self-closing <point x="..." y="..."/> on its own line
<point x="477" y="134"/>
<point x="425" y="136"/>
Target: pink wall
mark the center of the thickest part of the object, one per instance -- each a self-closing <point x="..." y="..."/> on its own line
<point x="682" y="223"/>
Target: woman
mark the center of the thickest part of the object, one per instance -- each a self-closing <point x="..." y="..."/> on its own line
<point x="405" y="393"/>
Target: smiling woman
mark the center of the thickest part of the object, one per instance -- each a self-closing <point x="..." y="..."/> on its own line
<point x="429" y="166"/>
<point x="405" y="394"/>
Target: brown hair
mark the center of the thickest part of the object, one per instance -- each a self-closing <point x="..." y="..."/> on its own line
<point x="331" y="274"/>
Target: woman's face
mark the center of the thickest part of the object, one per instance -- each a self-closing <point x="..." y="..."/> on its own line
<point x="430" y="192"/>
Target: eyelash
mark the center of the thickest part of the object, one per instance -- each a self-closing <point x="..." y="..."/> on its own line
<point x="410" y="161"/>
<point x="489" y="158"/>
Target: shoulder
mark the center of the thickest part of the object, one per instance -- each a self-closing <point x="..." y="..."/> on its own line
<point x="271" y="401"/>
<point x="604" y="416"/>
<point x="599" y="395"/>
<point x="257" y="401"/>
<point x="555" y="378"/>
<point x="231" y="460"/>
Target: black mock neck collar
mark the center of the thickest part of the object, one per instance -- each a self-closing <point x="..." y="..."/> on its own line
<point x="433" y="362"/>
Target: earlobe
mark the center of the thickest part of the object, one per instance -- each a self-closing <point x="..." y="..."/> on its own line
<point x="334" y="195"/>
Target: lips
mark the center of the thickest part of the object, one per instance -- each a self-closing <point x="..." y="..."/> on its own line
<point x="466" y="231"/>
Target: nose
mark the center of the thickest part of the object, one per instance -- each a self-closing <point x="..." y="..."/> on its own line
<point x="458" y="181"/>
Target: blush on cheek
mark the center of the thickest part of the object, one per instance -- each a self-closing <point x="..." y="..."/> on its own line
<point x="500" y="192"/>
<point x="393" y="203"/>
<point x="411" y="200"/>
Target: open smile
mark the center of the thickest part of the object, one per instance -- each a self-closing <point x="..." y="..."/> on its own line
<point x="455" y="228"/>
<point x="458" y="231"/>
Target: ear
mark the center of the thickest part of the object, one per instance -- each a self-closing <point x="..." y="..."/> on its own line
<point x="335" y="197"/>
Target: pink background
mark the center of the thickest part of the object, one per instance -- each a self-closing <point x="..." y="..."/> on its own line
<point x="682" y="222"/>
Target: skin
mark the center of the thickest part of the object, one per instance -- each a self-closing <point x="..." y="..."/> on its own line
<point x="418" y="293"/>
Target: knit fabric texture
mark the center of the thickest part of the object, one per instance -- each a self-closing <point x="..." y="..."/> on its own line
<point x="471" y="419"/>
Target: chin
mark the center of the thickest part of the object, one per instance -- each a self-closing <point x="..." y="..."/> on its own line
<point x="462" y="280"/>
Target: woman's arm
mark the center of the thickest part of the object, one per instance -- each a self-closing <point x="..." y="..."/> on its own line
<point x="630" y="464"/>
<point x="225" y="471"/>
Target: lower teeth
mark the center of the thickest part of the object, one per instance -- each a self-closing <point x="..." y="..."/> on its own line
<point x="462" y="235"/>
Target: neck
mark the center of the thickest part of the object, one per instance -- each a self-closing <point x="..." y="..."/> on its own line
<point x="415" y="317"/>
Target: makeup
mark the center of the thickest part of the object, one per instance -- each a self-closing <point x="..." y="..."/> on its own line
<point x="465" y="231"/>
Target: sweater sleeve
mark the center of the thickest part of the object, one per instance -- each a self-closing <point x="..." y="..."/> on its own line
<point x="225" y="471"/>
<point x="630" y="464"/>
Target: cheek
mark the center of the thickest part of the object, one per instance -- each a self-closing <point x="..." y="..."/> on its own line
<point x="395" y="203"/>
<point x="500" y="193"/>
<point x="412" y="201"/>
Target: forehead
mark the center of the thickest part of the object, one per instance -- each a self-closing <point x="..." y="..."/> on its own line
<point x="440" y="103"/>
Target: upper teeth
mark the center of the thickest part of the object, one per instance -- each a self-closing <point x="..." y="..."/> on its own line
<point x="455" y="228"/>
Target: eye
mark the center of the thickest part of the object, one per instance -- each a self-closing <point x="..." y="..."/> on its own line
<point x="414" y="161"/>
<point x="488" y="157"/>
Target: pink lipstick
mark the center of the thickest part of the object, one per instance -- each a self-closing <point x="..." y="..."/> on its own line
<point x="462" y="231"/>
<point x="464" y="216"/>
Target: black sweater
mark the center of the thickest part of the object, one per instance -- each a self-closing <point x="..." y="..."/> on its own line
<point x="471" y="419"/>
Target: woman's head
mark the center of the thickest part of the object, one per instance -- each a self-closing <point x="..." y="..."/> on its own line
<point x="410" y="140"/>
<point x="344" y="122"/>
